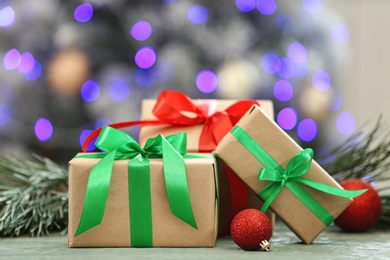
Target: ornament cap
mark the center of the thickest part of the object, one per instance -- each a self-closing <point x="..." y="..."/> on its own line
<point x="265" y="245"/>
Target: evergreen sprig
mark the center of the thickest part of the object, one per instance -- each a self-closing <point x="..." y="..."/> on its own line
<point x="366" y="156"/>
<point x="33" y="197"/>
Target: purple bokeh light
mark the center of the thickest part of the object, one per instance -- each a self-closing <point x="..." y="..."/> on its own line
<point x="287" y="118"/>
<point x="246" y="5"/>
<point x="43" y="129"/>
<point x="287" y="70"/>
<point x="35" y="72"/>
<point x="90" y="91"/>
<point x="5" y="115"/>
<point x="141" y="31"/>
<point x="321" y="80"/>
<point x="83" y="13"/>
<point x="271" y="63"/>
<point x="84" y="134"/>
<point x="301" y="70"/>
<point x="297" y="53"/>
<point x="307" y="130"/>
<point x="27" y="62"/>
<point x="198" y="14"/>
<point x="145" y="77"/>
<point x="284" y="23"/>
<point x="312" y="6"/>
<point x="119" y="90"/>
<point x="336" y="103"/>
<point x="145" y="57"/>
<point x="206" y="81"/>
<point x="340" y="34"/>
<point x="7" y="16"/>
<point x="283" y="90"/>
<point x="345" y="123"/>
<point x="12" y="59"/>
<point x="266" y="7"/>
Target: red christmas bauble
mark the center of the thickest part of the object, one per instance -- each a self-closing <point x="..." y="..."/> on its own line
<point x="364" y="212"/>
<point x="249" y="228"/>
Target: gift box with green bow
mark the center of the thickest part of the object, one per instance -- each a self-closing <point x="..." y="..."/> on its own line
<point x="155" y="196"/>
<point x="283" y="175"/>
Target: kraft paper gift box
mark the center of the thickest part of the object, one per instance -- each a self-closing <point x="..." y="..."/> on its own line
<point x="259" y="151"/>
<point x="122" y="225"/>
<point x="234" y="196"/>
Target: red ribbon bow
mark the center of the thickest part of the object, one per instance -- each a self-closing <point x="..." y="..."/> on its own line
<point x="175" y="108"/>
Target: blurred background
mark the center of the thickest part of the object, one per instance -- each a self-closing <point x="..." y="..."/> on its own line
<point x="69" y="67"/>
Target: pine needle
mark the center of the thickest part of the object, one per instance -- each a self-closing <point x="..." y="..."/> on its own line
<point x="33" y="197"/>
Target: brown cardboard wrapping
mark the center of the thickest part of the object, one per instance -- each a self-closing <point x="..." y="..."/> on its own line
<point x="168" y="230"/>
<point x="281" y="148"/>
<point x="193" y="132"/>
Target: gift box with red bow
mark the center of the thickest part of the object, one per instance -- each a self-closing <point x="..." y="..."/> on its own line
<point x="283" y="175"/>
<point x="206" y="122"/>
<point x="155" y="196"/>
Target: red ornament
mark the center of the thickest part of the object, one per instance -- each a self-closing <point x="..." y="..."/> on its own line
<point x="249" y="228"/>
<point x="365" y="210"/>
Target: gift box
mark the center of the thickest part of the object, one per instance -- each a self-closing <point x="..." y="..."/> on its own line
<point x="206" y="122"/>
<point x="283" y="175"/>
<point x="128" y="196"/>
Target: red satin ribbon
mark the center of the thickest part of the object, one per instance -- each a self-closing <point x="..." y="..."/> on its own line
<point x="175" y="108"/>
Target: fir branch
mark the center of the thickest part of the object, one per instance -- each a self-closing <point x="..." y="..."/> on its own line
<point x="33" y="197"/>
<point x="365" y="156"/>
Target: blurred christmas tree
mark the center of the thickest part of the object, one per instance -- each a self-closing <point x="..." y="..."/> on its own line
<point x="71" y="66"/>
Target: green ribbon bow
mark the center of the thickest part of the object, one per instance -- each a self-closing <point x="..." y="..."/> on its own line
<point x="291" y="178"/>
<point x="117" y="145"/>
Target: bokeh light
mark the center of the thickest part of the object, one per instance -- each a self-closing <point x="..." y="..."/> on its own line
<point x="297" y="53"/>
<point x="287" y="118"/>
<point x="198" y="14"/>
<point x="35" y="72"/>
<point x="145" y="57"/>
<point x="119" y="90"/>
<point x="7" y="16"/>
<point x="284" y="23"/>
<point x="271" y="63"/>
<point x="337" y="102"/>
<point x="164" y="70"/>
<point x="90" y="91"/>
<point x="246" y="5"/>
<point x="321" y="80"/>
<point x="283" y="90"/>
<point x="27" y="62"/>
<point x="206" y="81"/>
<point x="12" y="59"/>
<point x="43" y="129"/>
<point x="307" y="130"/>
<point x="141" y="31"/>
<point x="312" y="6"/>
<point x="301" y="70"/>
<point x="102" y="122"/>
<point x="287" y="69"/>
<point x="83" y="13"/>
<point x="345" y="123"/>
<point x="5" y="115"/>
<point x="340" y="34"/>
<point x="266" y="7"/>
<point x="145" y="77"/>
<point x="84" y="134"/>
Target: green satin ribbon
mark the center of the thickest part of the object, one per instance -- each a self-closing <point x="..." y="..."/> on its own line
<point x="291" y="178"/>
<point x="117" y="145"/>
